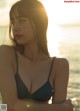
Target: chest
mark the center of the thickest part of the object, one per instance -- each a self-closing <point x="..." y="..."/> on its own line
<point x="33" y="71"/>
<point x="33" y="75"/>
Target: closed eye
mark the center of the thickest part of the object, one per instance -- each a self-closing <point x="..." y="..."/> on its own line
<point x="22" y="20"/>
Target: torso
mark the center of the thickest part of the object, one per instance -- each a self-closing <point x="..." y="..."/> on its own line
<point x="33" y="72"/>
<point x="36" y="72"/>
<point x="8" y="61"/>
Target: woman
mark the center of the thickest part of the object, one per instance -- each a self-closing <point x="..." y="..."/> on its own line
<point x="29" y="77"/>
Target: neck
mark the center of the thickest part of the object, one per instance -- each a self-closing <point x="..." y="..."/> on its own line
<point x="32" y="52"/>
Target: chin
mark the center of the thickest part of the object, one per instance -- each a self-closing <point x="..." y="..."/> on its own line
<point x="22" y="42"/>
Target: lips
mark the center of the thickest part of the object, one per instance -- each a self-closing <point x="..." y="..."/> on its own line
<point x="18" y="36"/>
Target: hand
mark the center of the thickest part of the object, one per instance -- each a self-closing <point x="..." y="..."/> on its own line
<point x="69" y="103"/>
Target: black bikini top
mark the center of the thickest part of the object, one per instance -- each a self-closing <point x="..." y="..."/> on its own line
<point x="44" y="93"/>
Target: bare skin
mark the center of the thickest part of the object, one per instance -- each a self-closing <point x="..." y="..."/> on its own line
<point x="33" y="68"/>
<point x="8" y="88"/>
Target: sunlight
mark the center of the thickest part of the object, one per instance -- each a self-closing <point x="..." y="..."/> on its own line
<point x="54" y="38"/>
<point x="4" y="17"/>
<point x="10" y="2"/>
<point x="59" y="13"/>
<point x="53" y="34"/>
<point x="4" y="13"/>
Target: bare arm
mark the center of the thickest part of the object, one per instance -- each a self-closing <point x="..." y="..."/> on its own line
<point x="35" y="106"/>
<point x="59" y="102"/>
<point x="9" y="91"/>
<point x="61" y="80"/>
<point x="7" y="82"/>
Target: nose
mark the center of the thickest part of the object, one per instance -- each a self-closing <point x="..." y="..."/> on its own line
<point x="16" y="26"/>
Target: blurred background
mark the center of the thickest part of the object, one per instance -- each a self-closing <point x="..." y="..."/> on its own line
<point x="63" y="37"/>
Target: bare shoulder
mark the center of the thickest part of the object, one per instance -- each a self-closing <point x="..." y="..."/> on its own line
<point x="61" y="61"/>
<point x="7" y="55"/>
<point x="6" y="52"/>
<point x="6" y="48"/>
<point x="61" y="65"/>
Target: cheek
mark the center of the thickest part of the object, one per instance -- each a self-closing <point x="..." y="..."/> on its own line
<point x="28" y="31"/>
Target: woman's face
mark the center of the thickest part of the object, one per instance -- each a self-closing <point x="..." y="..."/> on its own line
<point x="22" y="28"/>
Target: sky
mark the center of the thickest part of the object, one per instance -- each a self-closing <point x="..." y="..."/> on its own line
<point x="58" y="11"/>
<point x="4" y="11"/>
<point x="59" y="14"/>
